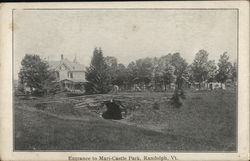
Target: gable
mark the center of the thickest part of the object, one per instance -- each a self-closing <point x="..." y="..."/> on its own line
<point x="74" y="66"/>
<point x="65" y="64"/>
<point x="62" y="66"/>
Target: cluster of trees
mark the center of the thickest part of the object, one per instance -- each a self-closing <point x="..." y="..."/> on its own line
<point x="203" y="69"/>
<point x="104" y="72"/>
<point x="36" y="76"/>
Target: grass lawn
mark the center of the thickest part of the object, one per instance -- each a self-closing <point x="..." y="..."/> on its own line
<point x="205" y="122"/>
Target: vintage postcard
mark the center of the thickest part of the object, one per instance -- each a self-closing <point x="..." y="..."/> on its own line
<point x="125" y="81"/>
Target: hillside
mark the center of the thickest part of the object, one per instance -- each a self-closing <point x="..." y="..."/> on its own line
<point x="205" y="122"/>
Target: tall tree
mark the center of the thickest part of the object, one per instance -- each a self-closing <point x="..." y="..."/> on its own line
<point x="121" y="76"/>
<point x="224" y="68"/>
<point x="132" y="71"/>
<point x="211" y="70"/>
<point x="158" y="65"/>
<point x="168" y="75"/>
<point x="97" y="74"/>
<point x="112" y="66"/>
<point x="35" y="74"/>
<point x="180" y="66"/>
<point x="199" y="66"/>
<point x="111" y="61"/>
<point x="144" y="67"/>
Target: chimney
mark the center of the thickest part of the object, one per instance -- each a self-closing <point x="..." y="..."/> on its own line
<point x="62" y="57"/>
<point x="75" y="61"/>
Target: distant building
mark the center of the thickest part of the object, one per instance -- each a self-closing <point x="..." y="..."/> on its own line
<point x="216" y="85"/>
<point x="69" y="74"/>
<point x="209" y="85"/>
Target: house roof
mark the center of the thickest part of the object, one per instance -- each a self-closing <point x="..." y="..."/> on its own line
<point x="72" y="66"/>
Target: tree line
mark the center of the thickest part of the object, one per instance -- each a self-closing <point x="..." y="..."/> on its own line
<point x="160" y="72"/>
<point x="152" y="73"/>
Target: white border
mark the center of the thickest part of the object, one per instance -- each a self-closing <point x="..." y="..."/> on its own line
<point x="6" y="80"/>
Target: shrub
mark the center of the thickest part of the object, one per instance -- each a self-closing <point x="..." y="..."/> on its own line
<point x="176" y="98"/>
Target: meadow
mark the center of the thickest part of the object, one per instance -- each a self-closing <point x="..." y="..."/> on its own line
<point x="206" y="122"/>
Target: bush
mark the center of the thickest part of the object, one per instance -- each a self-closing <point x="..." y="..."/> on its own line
<point x="176" y="98"/>
<point x="89" y="88"/>
<point x="54" y="89"/>
<point x="38" y="93"/>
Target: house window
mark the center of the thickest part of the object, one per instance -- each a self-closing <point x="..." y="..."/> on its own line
<point x="57" y="75"/>
<point x="70" y="74"/>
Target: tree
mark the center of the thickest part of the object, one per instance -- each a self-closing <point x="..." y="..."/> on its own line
<point x="111" y="63"/>
<point x="157" y="72"/>
<point x="35" y="74"/>
<point x="168" y="75"/>
<point x="132" y="73"/>
<point x="121" y="75"/>
<point x="97" y="60"/>
<point x="144" y="70"/>
<point x="180" y="66"/>
<point x="199" y="66"/>
<point x="211" y="70"/>
<point x="224" y="68"/>
<point x="97" y="74"/>
<point x="234" y="72"/>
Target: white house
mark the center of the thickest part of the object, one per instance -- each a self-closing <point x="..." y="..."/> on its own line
<point x="69" y="74"/>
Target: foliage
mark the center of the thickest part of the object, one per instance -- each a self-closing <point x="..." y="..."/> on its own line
<point x="199" y="66"/>
<point x="212" y="70"/>
<point x="111" y="64"/>
<point x="176" y="98"/>
<point x="224" y="68"/>
<point x="121" y="75"/>
<point x="132" y="73"/>
<point x="117" y="73"/>
<point x="35" y="75"/>
<point x="156" y="73"/>
<point x="20" y="87"/>
<point x="153" y="73"/>
<point x="144" y="70"/>
<point x="202" y="68"/>
<point x="233" y="72"/>
<point x="168" y="75"/>
<point x="180" y="65"/>
<point x="111" y="61"/>
<point x="97" y="74"/>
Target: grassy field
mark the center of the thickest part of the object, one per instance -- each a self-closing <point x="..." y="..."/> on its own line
<point x="205" y="122"/>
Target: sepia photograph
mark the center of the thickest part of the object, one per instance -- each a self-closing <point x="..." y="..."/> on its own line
<point x="109" y="79"/>
<point x="125" y="79"/>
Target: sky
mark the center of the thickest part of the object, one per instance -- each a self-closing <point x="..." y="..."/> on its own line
<point x="126" y="34"/>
